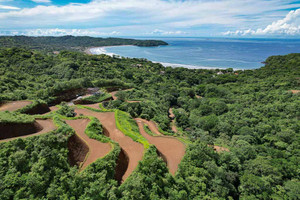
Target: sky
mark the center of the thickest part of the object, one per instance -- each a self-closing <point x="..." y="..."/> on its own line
<point x="152" y="18"/>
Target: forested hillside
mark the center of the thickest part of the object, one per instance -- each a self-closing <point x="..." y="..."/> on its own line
<point x="49" y="43"/>
<point x="252" y="113"/>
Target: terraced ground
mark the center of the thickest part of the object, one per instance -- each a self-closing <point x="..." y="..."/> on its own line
<point x="84" y="150"/>
<point x="44" y="126"/>
<point x="15" y="105"/>
<point x="132" y="149"/>
<point x="96" y="149"/>
<point x="172" y="149"/>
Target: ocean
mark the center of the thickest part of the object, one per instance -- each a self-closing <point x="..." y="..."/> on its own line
<point x="208" y="53"/>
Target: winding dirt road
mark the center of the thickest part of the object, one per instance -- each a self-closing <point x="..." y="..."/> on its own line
<point x="170" y="148"/>
<point x="132" y="149"/>
<point x="47" y="126"/>
<point x="15" y="105"/>
<point x="96" y="149"/>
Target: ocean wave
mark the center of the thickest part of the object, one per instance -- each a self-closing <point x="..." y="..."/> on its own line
<point x="191" y="66"/>
<point x="100" y="50"/>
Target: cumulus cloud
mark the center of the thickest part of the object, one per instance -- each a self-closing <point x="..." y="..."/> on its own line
<point x="105" y="13"/>
<point x="9" y="7"/>
<point x="162" y="32"/>
<point x="290" y="25"/>
<point x="59" y="32"/>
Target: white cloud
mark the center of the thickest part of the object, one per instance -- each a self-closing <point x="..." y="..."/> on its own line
<point x="173" y="13"/>
<point x="59" y="32"/>
<point x="41" y="1"/>
<point x="162" y="32"/>
<point x="290" y="25"/>
<point x="9" y="7"/>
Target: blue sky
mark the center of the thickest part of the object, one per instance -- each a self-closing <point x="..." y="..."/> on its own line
<point x="149" y="18"/>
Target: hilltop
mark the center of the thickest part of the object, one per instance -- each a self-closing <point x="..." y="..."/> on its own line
<point x="68" y="42"/>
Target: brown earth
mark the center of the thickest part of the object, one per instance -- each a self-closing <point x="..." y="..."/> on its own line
<point x="12" y="131"/>
<point x="134" y="150"/>
<point x="38" y="109"/>
<point x="13" y="106"/>
<point x="172" y="116"/>
<point x="152" y="126"/>
<point x="96" y="149"/>
<point x="78" y="150"/>
<point x="171" y="149"/>
<point x="295" y="91"/>
<point x="122" y="165"/>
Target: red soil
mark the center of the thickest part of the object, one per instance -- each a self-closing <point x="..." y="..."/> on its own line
<point x="78" y="150"/>
<point x="97" y="149"/>
<point x="295" y="91"/>
<point x="171" y="115"/>
<point x="132" y="149"/>
<point x="152" y="126"/>
<point x="13" y="106"/>
<point x="43" y="126"/>
<point x="170" y="148"/>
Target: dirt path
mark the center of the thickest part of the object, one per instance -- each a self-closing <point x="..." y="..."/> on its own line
<point x="152" y="126"/>
<point x="172" y="150"/>
<point x="47" y="126"/>
<point x="96" y="149"/>
<point x="172" y="116"/>
<point x="295" y="91"/>
<point x="133" y="150"/>
<point x="15" y="105"/>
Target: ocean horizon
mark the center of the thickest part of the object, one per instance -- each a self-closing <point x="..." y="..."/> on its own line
<point x="207" y="53"/>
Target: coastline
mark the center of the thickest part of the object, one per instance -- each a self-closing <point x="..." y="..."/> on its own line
<point x="102" y="50"/>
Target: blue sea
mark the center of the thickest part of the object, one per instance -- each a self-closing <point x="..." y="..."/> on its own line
<point x="208" y="52"/>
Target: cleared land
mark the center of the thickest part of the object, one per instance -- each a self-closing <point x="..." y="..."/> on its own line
<point x="96" y="149"/>
<point x="172" y="150"/>
<point x="172" y="116"/>
<point x="133" y="150"/>
<point x="44" y="126"/>
<point x="15" y="105"/>
<point x="295" y="91"/>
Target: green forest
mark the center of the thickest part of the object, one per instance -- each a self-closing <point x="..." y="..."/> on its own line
<point x="75" y="43"/>
<point x="252" y="113"/>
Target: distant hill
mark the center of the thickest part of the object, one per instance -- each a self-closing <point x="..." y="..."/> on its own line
<point x="50" y="43"/>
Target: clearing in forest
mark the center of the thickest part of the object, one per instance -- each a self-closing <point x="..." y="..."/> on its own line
<point x="172" y="150"/>
<point x="42" y="126"/>
<point x="172" y="116"/>
<point x="132" y="149"/>
<point x="97" y="149"/>
<point x="14" y="105"/>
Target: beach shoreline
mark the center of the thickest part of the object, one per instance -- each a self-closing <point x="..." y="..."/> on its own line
<point x="102" y="50"/>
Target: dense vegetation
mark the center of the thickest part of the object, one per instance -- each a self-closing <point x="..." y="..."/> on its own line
<point x="251" y="112"/>
<point x="71" y="42"/>
<point x="12" y="117"/>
